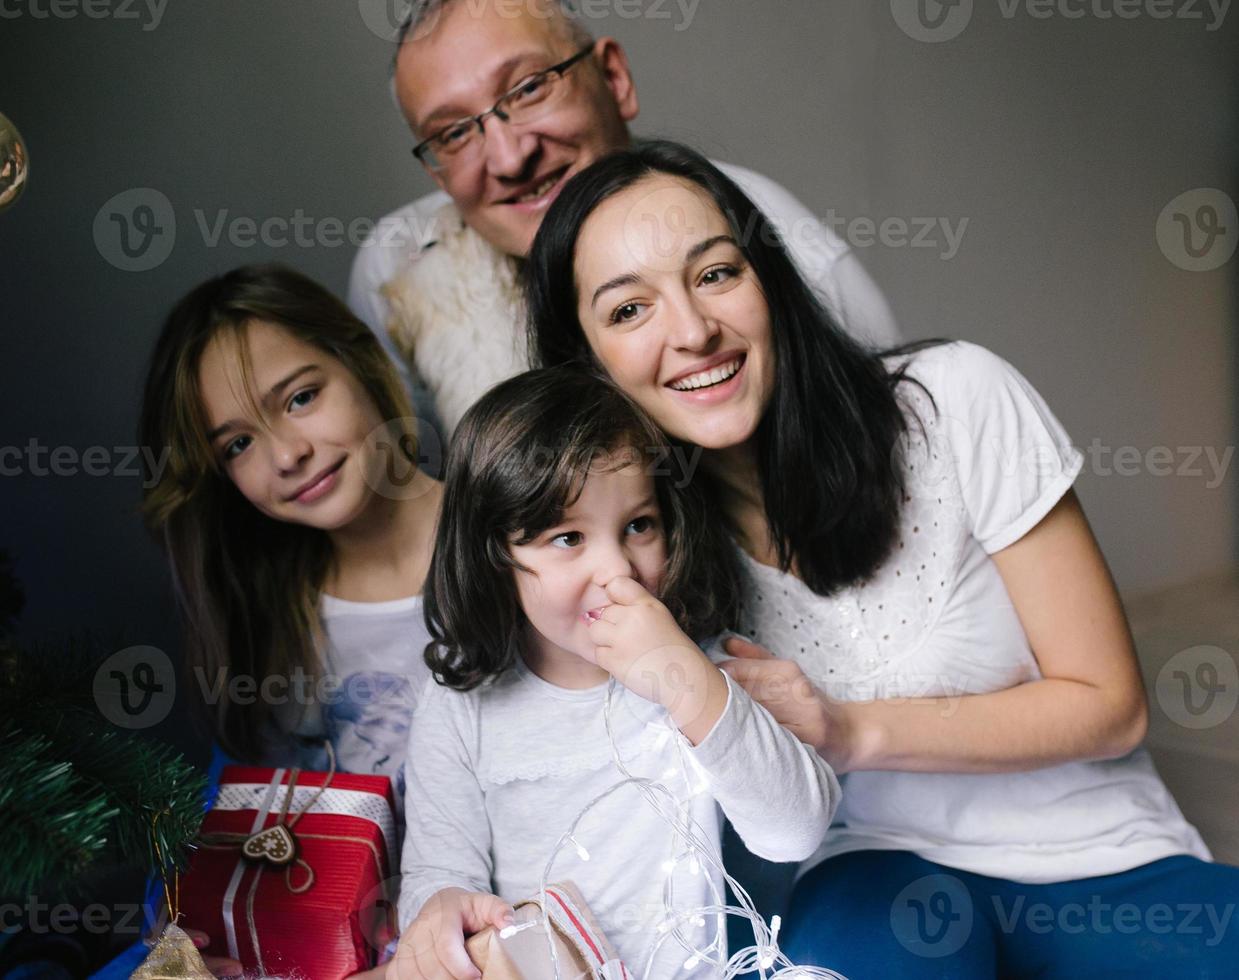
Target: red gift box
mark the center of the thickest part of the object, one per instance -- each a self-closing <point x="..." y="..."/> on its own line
<point x="317" y="909"/>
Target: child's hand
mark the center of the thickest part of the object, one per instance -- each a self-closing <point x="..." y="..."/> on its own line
<point x="433" y="947"/>
<point x="220" y="966"/>
<point x="639" y="643"/>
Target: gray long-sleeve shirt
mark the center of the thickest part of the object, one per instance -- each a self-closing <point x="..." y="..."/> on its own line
<point x="496" y="775"/>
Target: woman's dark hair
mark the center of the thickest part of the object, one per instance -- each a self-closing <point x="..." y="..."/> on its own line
<point x="519" y="457"/>
<point x="834" y="420"/>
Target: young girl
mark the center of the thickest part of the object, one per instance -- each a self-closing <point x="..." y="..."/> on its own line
<point x="297" y="524"/>
<point x="572" y="569"/>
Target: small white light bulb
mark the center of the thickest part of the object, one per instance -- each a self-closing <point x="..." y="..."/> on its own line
<point x="507" y="932"/>
<point x="580" y="851"/>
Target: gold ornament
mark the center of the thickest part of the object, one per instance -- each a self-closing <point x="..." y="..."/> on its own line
<point x="14" y="163"/>
<point x="174" y="955"/>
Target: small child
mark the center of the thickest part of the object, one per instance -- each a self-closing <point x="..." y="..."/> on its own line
<point x="571" y="571"/>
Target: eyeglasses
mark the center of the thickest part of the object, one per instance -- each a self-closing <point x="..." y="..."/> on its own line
<point x="526" y="102"/>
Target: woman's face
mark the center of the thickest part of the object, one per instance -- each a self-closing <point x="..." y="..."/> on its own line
<point x="304" y="457"/>
<point x="674" y="313"/>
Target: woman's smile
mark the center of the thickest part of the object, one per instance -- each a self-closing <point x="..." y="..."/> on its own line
<point x="711" y="386"/>
<point x="674" y="311"/>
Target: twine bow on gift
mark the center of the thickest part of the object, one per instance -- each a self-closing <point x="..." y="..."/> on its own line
<point x="277" y="845"/>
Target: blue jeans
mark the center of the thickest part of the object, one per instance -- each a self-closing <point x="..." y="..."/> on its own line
<point x="886" y="914"/>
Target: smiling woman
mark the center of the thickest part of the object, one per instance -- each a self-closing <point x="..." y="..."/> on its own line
<point x="646" y="272"/>
<point x="946" y="628"/>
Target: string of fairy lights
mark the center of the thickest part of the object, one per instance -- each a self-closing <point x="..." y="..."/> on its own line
<point x="688" y="843"/>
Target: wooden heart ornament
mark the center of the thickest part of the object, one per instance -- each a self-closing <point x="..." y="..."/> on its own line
<point x="275" y="845"/>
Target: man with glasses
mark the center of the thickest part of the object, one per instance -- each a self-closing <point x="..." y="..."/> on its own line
<point x="508" y="101"/>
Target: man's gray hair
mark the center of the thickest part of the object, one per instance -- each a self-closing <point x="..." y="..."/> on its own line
<point x="422" y="15"/>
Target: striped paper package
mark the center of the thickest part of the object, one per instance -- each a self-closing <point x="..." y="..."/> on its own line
<point x="295" y="884"/>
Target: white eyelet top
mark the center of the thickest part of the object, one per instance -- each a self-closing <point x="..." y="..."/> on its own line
<point x="936" y="621"/>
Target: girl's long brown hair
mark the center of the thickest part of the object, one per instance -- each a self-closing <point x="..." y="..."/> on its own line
<point x="247" y="585"/>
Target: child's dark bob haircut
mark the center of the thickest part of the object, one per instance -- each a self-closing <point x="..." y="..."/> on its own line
<point x="519" y="457"/>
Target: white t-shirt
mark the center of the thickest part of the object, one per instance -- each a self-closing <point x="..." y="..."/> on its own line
<point x="498" y="774"/>
<point x="937" y="621"/>
<point x="374" y="671"/>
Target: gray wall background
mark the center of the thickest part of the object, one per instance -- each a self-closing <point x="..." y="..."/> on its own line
<point x="1058" y="140"/>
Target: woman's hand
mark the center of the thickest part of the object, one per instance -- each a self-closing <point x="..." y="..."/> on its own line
<point x="640" y="644"/>
<point x="220" y="966"/>
<point x="781" y="687"/>
<point x="433" y="946"/>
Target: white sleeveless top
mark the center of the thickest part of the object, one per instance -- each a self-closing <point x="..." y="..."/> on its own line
<point x="937" y="621"/>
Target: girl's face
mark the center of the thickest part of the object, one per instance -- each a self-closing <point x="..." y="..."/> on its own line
<point x="674" y="313"/>
<point x="305" y="457"/>
<point x="613" y="528"/>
